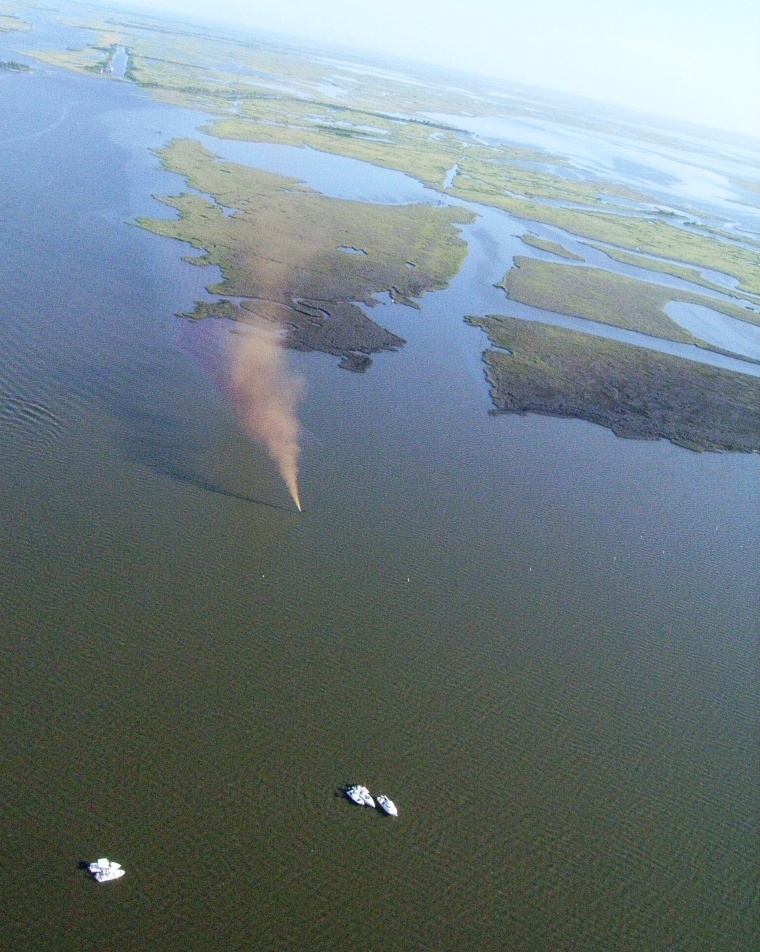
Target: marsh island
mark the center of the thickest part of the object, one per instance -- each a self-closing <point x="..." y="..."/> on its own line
<point x="613" y="251"/>
<point x="635" y="392"/>
<point x="285" y="252"/>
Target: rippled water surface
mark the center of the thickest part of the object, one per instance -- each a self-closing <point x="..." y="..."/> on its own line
<point x="539" y="640"/>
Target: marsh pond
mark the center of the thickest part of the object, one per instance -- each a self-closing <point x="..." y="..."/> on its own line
<point x="504" y="357"/>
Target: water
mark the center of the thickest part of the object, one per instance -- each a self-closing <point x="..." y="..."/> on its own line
<point x="539" y="640"/>
<point x="334" y="176"/>
<point x="493" y="241"/>
<point x="717" y="329"/>
<point x="694" y="171"/>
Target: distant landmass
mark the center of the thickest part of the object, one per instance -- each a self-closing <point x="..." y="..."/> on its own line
<point x="628" y="243"/>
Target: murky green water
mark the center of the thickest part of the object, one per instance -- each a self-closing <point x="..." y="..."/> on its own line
<point x="539" y="640"/>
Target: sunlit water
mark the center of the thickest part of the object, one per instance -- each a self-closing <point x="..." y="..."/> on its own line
<point x="539" y="640"/>
<point x="693" y="171"/>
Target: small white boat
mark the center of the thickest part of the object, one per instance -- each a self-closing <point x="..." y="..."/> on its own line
<point x="354" y="795"/>
<point x="367" y="797"/>
<point x="104" y="870"/>
<point x="359" y="795"/>
<point x="387" y="805"/>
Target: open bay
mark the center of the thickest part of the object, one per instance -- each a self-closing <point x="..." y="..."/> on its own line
<point x="540" y="640"/>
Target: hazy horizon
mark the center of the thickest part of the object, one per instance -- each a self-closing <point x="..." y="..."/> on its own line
<point x="694" y="62"/>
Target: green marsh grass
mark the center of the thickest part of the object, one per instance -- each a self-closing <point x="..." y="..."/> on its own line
<point x="608" y="298"/>
<point x="636" y="392"/>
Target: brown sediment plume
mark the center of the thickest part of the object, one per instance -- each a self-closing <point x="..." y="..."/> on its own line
<point x="266" y="396"/>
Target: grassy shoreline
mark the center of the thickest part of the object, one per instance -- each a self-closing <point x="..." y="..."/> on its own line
<point x="285" y="99"/>
<point x="281" y="251"/>
<point x="609" y="298"/>
<point x="635" y="392"/>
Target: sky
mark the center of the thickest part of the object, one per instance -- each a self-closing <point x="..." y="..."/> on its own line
<point x="696" y="60"/>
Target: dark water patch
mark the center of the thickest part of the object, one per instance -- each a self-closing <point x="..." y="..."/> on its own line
<point x="193" y="479"/>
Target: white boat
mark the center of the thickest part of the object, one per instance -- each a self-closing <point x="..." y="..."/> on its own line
<point x="354" y="795"/>
<point x="386" y="804"/>
<point x="359" y="795"/>
<point x="368" y="801"/>
<point x="104" y="870"/>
